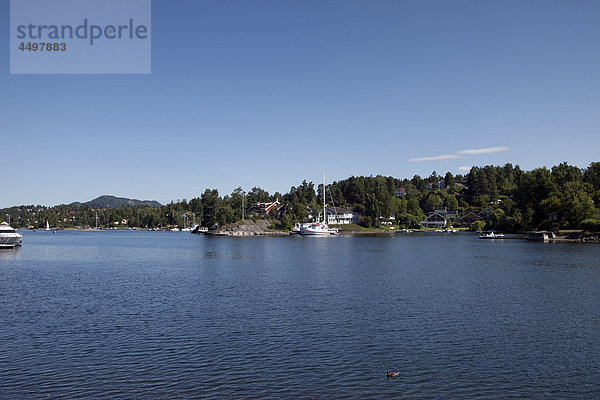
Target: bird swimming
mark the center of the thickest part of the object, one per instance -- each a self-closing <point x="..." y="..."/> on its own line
<point x="391" y="374"/>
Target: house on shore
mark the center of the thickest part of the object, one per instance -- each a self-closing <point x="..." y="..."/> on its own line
<point x="268" y="208"/>
<point x="439" y="217"/>
<point x="342" y="216"/>
<point x="434" y="220"/>
<point x="469" y="218"/>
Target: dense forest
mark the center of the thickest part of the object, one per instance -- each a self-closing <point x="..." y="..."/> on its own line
<point x="562" y="197"/>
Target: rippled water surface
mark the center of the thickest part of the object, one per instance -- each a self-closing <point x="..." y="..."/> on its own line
<point x="163" y="315"/>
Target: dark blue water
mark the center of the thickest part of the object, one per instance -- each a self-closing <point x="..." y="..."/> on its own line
<point x="163" y="315"/>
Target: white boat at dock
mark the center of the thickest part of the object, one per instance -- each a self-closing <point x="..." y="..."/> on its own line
<point x="319" y="228"/>
<point x="491" y="235"/>
<point x="9" y="237"/>
<point x="447" y="230"/>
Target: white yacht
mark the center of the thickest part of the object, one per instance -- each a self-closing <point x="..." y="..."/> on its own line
<point x="9" y="237"/>
<point x="491" y="235"/>
<point x="319" y="228"/>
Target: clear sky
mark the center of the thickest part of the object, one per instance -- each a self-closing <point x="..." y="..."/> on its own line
<point x="267" y="93"/>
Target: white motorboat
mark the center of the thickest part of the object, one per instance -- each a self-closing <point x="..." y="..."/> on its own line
<point x="9" y="237"/>
<point x="297" y="230"/>
<point x="447" y="230"/>
<point x="319" y="228"/>
<point x="491" y="235"/>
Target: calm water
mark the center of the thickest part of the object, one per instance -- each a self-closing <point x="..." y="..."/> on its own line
<point x="162" y="315"/>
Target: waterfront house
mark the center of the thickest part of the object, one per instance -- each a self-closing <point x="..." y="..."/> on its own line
<point x="468" y="219"/>
<point x="434" y="220"/>
<point x="342" y="216"/>
<point x="439" y="217"/>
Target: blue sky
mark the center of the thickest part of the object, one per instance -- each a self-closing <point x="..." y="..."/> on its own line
<point x="267" y="93"/>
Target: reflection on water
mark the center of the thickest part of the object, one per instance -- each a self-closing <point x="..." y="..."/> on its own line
<point x="10" y="253"/>
<point x="174" y="315"/>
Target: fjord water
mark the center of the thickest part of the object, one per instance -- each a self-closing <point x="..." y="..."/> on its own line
<point x="164" y="315"/>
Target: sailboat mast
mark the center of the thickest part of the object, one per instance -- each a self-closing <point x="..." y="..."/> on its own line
<point x="324" y="210"/>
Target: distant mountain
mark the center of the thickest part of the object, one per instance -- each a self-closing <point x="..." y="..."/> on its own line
<point x="113" y="202"/>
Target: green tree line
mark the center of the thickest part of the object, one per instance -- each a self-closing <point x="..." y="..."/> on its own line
<point x="564" y="196"/>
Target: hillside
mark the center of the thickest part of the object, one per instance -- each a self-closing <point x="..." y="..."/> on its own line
<point x="107" y="201"/>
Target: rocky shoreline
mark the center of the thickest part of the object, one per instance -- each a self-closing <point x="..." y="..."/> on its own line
<point x="581" y="237"/>
<point x="247" y="228"/>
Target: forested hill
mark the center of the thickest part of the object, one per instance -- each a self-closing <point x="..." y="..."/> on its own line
<point x="107" y="201"/>
<point x="564" y="196"/>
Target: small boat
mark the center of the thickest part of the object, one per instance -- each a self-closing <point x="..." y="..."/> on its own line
<point x="491" y="235"/>
<point x="297" y="230"/>
<point x="9" y="237"/>
<point x="47" y="226"/>
<point x="200" y="229"/>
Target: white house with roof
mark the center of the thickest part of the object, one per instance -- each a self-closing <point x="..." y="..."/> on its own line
<point x="439" y="217"/>
<point x="400" y="192"/>
<point x="434" y="220"/>
<point x="445" y="212"/>
<point x="342" y="216"/>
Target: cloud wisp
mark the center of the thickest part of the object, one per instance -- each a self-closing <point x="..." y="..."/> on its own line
<point x="485" y="150"/>
<point x="436" y="158"/>
<point x="462" y="154"/>
<point x="464" y="168"/>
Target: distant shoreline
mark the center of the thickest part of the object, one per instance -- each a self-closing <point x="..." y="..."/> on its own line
<point x="561" y="237"/>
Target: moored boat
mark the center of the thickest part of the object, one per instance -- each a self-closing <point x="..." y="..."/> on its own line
<point x="319" y="228"/>
<point x="9" y="237"/>
<point x="491" y="235"/>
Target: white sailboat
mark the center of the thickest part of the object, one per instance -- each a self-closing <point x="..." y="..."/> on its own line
<point x="47" y="226"/>
<point x="319" y="228"/>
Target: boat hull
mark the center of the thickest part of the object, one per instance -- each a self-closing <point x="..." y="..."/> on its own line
<point x="9" y="240"/>
<point x="317" y="229"/>
<point x="310" y="232"/>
